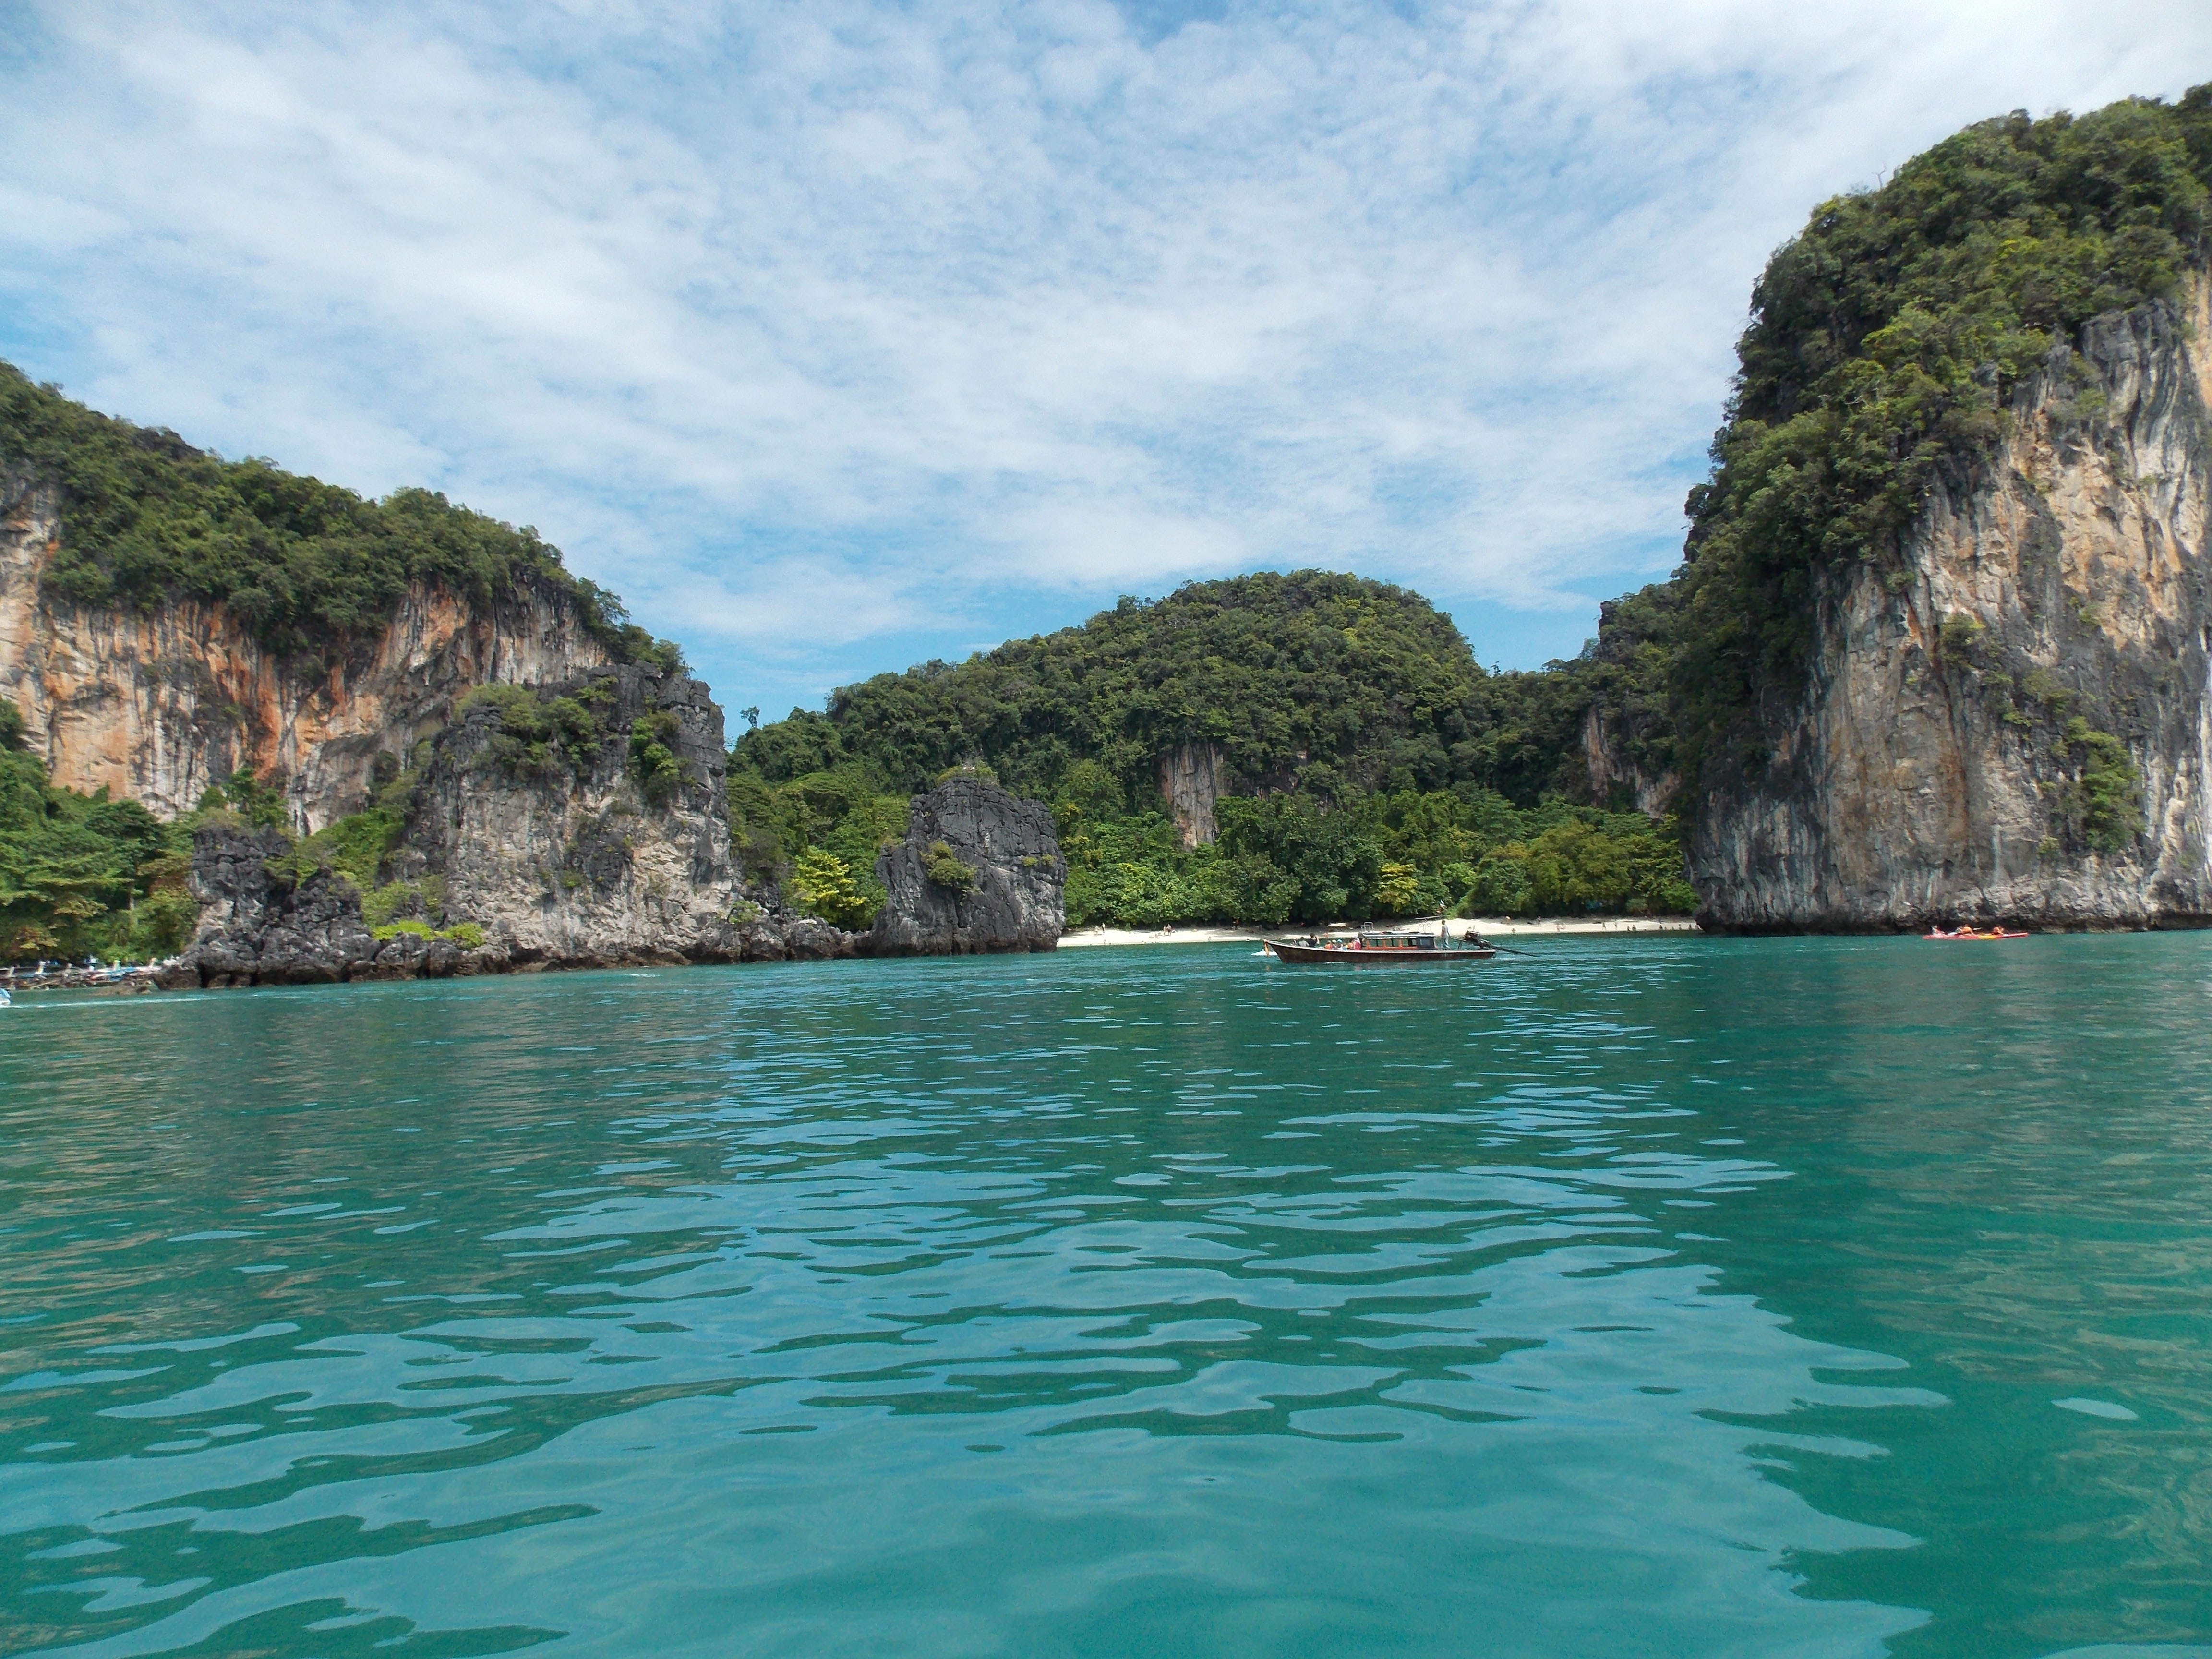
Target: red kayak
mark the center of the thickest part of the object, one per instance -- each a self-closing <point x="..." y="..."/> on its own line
<point x="1969" y="932"/>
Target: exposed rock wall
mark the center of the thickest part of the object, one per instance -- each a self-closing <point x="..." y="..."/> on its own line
<point x="1612" y="772"/>
<point x="156" y="705"/>
<point x="566" y="864"/>
<point x="1929" y="773"/>
<point x="574" y="864"/>
<point x="1190" y="779"/>
<point x="1016" y="901"/>
<point x="259" y="927"/>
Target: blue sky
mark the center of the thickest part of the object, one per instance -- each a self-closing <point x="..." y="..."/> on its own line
<point x="837" y="335"/>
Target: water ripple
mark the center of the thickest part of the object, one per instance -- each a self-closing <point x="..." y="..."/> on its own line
<point x="1141" y="1302"/>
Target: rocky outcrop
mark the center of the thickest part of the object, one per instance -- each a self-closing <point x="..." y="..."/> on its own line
<point x="259" y="926"/>
<point x="1191" y="783"/>
<point x="156" y="705"/>
<point x="558" y="849"/>
<point x="980" y="870"/>
<point x="602" y="845"/>
<point x="2015" y="724"/>
<point x="589" y="857"/>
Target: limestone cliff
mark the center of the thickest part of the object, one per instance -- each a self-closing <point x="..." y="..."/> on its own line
<point x="1191" y="777"/>
<point x="583" y="857"/>
<point x="157" y="704"/>
<point x="258" y="927"/>
<point x="1613" y="776"/>
<point x="980" y="870"/>
<point x="597" y="850"/>
<point x="2016" y="724"/>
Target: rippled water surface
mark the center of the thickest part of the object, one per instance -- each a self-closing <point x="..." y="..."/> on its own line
<point x="1677" y="1296"/>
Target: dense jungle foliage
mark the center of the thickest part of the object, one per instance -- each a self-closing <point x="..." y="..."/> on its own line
<point x="1290" y="857"/>
<point x="310" y="567"/>
<point x="1327" y="683"/>
<point x="82" y="875"/>
<point x="1381" y="772"/>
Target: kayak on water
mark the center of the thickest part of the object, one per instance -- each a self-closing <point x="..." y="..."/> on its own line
<point x="1983" y="933"/>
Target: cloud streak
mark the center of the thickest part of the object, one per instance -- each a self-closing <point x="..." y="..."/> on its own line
<point x="827" y="331"/>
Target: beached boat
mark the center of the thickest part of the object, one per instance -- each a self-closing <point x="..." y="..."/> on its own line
<point x="1399" y="947"/>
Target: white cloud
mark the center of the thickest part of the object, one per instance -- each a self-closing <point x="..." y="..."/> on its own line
<point x="783" y="317"/>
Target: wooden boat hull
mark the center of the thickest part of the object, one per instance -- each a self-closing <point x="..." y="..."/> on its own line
<point x="1353" y="956"/>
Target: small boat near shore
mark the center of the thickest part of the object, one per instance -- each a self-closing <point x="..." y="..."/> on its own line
<point x="1394" y="948"/>
<point x="1982" y="935"/>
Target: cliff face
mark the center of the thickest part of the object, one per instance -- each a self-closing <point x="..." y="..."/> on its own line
<point x="157" y="705"/>
<point x="260" y="926"/>
<point x="1612" y="773"/>
<point x="1014" y="901"/>
<point x="573" y="857"/>
<point x="1964" y="744"/>
<point x="257" y="927"/>
<point x="578" y="862"/>
<point x="1190" y="781"/>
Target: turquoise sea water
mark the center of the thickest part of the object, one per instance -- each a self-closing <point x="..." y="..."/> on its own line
<point x="1682" y="1297"/>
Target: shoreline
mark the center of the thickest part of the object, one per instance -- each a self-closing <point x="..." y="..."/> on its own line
<point x="1500" y="927"/>
<point x="144" y="976"/>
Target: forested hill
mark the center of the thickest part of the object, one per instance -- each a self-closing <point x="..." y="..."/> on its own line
<point x="1374" y="769"/>
<point x="309" y="568"/>
<point x="1311" y="681"/>
<point x="109" y="522"/>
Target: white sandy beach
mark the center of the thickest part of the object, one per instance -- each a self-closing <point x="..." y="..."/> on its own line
<point x="1489" y="928"/>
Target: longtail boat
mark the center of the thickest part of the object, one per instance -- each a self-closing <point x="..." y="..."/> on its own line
<point x="1396" y="947"/>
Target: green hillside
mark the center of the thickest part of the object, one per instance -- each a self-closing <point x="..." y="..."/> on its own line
<point x="1377" y="770"/>
<point x="1311" y="680"/>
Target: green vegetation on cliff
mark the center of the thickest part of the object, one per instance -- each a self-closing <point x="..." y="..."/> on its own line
<point x="1290" y="857"/>
<point x="85" y="876"/>
<point x="1886" y="344"/>
<point x="817" y="837"/>
<point x="309" y="568"/>
<point x="358" y="849"/>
